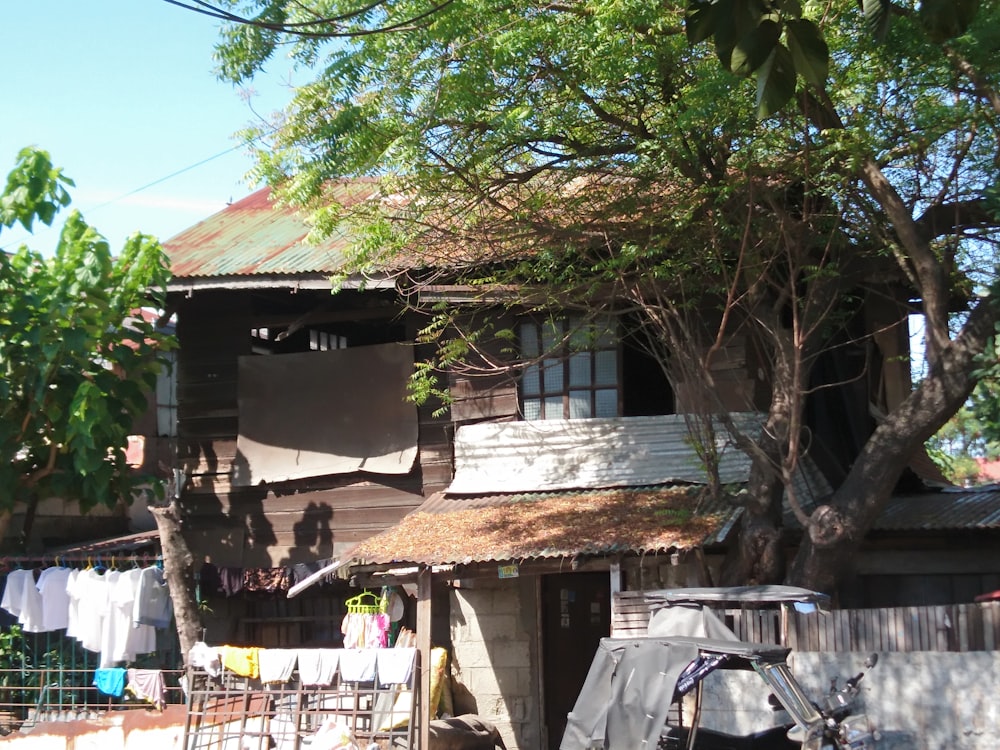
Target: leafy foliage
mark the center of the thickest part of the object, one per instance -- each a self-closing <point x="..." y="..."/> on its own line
<point x="76" y="360"/>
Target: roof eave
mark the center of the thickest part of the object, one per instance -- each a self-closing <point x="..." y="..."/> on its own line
<point x="320" y="281"/>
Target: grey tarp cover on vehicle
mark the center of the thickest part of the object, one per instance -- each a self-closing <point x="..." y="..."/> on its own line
<point x="624" y="701"/>
<point x="643" y="674"/>
<point x="681" y="619"/>
<point x="627" y="694"/>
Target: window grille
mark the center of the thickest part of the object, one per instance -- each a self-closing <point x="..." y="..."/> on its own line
<point x="572" y="371"/>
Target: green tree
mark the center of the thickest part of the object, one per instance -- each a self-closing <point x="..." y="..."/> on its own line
<point x="973" y="432"/>
<point x="76" y="361"/>
<point x="612" y="156"/>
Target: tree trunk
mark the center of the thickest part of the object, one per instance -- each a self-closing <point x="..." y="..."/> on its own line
<point x="759" y="555"/>
<point x="5" y="518"/>
<point x="838" y="529"/>
<point x="178" y="566"/>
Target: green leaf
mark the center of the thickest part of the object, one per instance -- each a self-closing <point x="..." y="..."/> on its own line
<point x="755" y="48"/>
<point x="877" y="16"/>
<point x="946" y="19"/>
<point x="810" y="55"/>
<point x="775" y="82"/>
<point x="701" y="20"/>
<point x="734" y="20"/>
<point x="790" y="8"/>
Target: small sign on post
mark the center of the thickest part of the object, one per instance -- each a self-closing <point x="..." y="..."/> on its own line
<point x="508" y="571"/>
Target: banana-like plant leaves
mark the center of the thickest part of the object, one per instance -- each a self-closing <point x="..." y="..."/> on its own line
<point x="809" y="50"/>
<point x="946" y="19"/>
<point x="775" y="81"/>
<point x="753" y="50"/>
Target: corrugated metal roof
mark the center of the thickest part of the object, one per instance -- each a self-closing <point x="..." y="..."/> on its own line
<point x="254" y="237"/>
<point x="125" y="543"/>
<point x="543" y="525"/>
<point x="448" y="530"/>
<point x="564" y="454"/>
<point x="949" y="510"/>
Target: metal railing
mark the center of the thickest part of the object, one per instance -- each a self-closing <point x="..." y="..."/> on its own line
<point x="49" y="677"/>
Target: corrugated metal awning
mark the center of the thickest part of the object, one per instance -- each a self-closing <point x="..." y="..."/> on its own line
<point x="947" y="510"/>
<point x="565" y="454"/>
<point x="447" y="531"/>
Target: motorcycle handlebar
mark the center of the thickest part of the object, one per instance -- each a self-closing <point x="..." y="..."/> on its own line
<point x="853" y="681"/>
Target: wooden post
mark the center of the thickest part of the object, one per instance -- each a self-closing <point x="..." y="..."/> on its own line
<point x="616" y="587"/>
<point x="424" y="577"/>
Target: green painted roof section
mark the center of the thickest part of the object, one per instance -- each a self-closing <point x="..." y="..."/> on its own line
<point x="255" y="237"/>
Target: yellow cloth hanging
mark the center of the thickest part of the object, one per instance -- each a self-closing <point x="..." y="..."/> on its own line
<point x="242" y="661"/>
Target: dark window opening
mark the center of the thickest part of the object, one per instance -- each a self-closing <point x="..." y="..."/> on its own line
<point x="646" y="392"/>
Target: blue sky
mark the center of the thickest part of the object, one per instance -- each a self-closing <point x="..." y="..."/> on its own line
<point x="122" y="94"/>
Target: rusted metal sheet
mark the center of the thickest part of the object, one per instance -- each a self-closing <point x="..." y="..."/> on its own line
<point x="543" y="525"/>
<point x="254" y="237"/>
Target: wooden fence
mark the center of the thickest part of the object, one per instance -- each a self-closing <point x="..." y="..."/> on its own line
<point x="954" y="627"/>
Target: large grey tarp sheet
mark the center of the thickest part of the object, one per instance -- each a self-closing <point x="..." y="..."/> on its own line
<point x="319" y="413"/>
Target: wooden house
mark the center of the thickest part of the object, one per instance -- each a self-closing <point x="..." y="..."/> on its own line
<point x="514" y="516"/>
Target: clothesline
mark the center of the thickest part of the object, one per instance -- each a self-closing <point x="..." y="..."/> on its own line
<point x="105" y="560"/>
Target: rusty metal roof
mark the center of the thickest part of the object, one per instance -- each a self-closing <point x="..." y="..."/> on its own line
<point x="543" y="525"/>
<point x="256" y="237"/>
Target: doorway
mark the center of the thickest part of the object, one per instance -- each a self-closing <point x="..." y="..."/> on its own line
<point x="576" y="614"/>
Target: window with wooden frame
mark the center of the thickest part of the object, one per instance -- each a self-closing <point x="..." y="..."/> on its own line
<point x="572" y="370"/>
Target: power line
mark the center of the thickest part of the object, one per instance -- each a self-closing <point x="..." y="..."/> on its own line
<point x="179" y="172"/>
<point x="90" y="210"/>
<point x="308" y="29"/>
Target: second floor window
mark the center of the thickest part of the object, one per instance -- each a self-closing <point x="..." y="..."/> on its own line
<point x="572" y="370"/>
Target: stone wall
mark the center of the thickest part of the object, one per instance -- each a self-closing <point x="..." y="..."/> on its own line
<point x="493" y="634"/>
<point x="918" y="701"/>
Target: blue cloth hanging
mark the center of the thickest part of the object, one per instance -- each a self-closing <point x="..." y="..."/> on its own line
<point x="110" y="681"/>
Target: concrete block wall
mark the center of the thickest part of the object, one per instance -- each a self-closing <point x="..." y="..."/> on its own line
<point x="493" y="635"/>
<point x="918" y="701"/>
<point x="924" y="699"/>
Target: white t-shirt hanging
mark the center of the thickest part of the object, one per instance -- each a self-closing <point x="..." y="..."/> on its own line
<point x="113" y="631"/>
<point x="137" y="639"/>
<point x="73" y="610"/>
<point x="55" y="600"/>
<point x="21" y="599"/>
<point x="91" y="592"/>
<point x="11" y="600"/>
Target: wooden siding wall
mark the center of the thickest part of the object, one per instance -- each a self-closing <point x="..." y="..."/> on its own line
<point x="955" y="627"/>
<point x="435" y="454"/>
<point x="259" y="526"/>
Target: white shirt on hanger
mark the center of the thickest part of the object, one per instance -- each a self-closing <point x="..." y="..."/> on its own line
<point x="90" y="590"/>
<point x="21" y="599"/>
<point x="73" y="610"/>
<point x="55" y="600"/>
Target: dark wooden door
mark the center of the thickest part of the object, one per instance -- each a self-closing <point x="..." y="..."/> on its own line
<point x="576" y="614"/>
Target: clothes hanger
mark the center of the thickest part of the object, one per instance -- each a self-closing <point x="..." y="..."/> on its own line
<point x="366" y="603"/>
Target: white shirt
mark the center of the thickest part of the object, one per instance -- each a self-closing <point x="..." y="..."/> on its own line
<point x="73" y="613"/>
<point x="90" y="591"/>
<point x="55" y="599"/>
<point x="127" y="639"/>
<point x="21" y="599"/>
